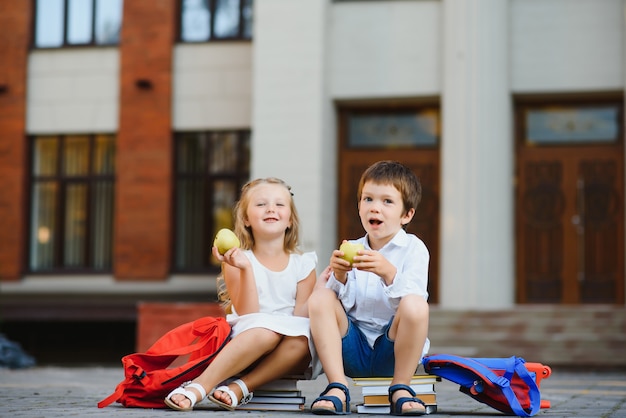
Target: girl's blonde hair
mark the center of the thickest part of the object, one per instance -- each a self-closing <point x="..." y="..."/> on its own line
<point x="244" y="233"/>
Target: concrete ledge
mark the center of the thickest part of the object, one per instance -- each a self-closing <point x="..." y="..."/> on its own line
<point x="589" y="335"/>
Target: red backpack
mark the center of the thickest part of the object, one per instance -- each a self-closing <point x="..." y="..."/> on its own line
<point x="151" y="376"/>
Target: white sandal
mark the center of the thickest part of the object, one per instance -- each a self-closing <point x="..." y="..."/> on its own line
<point x="247" y="396"/>
<point x="182" y="390"/>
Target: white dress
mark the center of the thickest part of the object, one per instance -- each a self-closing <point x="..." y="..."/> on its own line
<point x="277" y="300"/>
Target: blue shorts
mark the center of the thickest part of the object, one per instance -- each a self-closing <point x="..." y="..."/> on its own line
<point x="359" y="360"/>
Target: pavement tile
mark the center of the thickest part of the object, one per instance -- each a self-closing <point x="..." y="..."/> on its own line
<point x="55" y="392"/>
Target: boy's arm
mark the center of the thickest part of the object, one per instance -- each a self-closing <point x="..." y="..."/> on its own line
<point x="402" y="273"/>
<point x="412" y="273"/>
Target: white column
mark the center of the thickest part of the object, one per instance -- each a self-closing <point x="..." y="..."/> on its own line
<point x="293" y="136"/>
<point x="477" y="214"/>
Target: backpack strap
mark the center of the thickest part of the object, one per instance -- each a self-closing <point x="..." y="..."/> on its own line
<point x="533" y="390"/>
<point x="515" y="365"/>
<point x="119" y="390"/>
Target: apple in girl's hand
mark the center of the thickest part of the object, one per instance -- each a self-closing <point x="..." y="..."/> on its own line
<point x="225" y="240"/>
<point x="349" y="250"/>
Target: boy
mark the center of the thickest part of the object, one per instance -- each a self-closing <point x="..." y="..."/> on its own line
<point x="371" y="318"/>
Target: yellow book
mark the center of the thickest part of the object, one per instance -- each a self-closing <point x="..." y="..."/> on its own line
<point x="386" y="381"/>
<point x="427" y="398"/>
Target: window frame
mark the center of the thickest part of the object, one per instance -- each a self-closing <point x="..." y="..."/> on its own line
<point x="212" y="38"/>
<point x="65" y="42"/>
<point x="90" y="180"/>
<point x="239" y="177"/>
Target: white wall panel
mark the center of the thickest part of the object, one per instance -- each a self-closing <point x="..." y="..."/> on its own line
<point x="212" y="86"/>
<point x="385" y="49"/>
<point x="565" y="45"/>
<point x="73" y="91"/>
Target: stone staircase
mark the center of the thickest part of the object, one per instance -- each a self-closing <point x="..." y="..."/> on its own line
<point x="558" y="336"/>
<point x="566" y="336"/>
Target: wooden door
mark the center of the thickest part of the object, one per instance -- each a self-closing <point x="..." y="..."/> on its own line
<point x="570" y="213"/>
<point x="420" y="155"/>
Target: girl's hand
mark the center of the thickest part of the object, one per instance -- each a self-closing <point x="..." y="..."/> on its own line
<point x="374" y="262"/>
<point x="234" y="257"/>
<point x="322" y="279"/>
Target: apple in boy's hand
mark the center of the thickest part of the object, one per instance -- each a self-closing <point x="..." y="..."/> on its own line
<point x="225" y="240"/>
<point x="349" y="250"/>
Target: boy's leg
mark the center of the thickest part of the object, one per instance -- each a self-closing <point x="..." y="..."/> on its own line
<point x="329" y="324"/>
<point x="291" y="355"/>
<point x="409" y="330"/>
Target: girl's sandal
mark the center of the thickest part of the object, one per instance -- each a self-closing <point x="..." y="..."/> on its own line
<point x="396" y="407"/>
<point x="340" y="408"/>
<point x="247" y="396"/>
<point x="182" y="390"/>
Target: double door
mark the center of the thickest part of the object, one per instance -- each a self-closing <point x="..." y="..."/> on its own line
<point x="570" y="217"/>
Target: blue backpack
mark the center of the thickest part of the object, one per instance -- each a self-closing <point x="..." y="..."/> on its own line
<point x="505" y="384"/>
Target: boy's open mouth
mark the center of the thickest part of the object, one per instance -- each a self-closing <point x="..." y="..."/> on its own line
<point x="375" y="222"/>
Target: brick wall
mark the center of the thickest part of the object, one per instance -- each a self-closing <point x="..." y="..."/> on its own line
<point x="154" y="319"/>
<point x="15" y="21"/>
<point x="144" y="147"/>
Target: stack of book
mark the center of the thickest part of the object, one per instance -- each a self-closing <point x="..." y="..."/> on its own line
<point x="375" y="391"/>
<point x="280" y="395"/>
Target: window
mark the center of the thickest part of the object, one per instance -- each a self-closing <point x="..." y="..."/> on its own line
<point x="211" y="168"/>
<point x="72" y="181"/>
<point x="60" y="23"/>
<point x="394" y="128"/>
<point x="208" y="20"/>
<point x="573" y="124"/>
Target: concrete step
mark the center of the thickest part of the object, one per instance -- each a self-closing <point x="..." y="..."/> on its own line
<point x="554" y="335"/>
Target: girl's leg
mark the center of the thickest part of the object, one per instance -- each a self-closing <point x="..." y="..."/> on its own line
<point x="409" y="330"/>
<point x="328" y="325"/>
<point x="237" y="355"/>
<point x="291" y="355"/>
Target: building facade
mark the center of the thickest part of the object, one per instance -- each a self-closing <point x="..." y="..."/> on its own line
<point x="124" y="142"/>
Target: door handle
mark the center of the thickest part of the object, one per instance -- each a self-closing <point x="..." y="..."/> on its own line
<point x="579" y="221"/>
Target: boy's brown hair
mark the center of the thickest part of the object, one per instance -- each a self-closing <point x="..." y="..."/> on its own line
<point x="397" y="175"/>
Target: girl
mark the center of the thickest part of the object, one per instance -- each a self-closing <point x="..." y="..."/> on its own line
<point x="268" y="282"/>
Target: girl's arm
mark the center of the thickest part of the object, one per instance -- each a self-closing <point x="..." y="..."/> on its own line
<point x="239" y="280"/>
<point x="303" y="291"/>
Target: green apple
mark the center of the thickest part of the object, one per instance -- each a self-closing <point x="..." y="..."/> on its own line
<point x="225" y="240"/>
<point x="349" y="250"/>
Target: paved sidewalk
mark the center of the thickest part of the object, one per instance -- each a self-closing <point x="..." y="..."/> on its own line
<point x="51" y="392"/>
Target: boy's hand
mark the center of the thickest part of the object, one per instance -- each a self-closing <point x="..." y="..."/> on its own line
<point x="339" y="266"/>
<point x="235" y="257"/>
<point x="374" y="262"/>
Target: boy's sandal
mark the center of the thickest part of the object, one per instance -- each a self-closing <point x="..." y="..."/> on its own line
<point x="182" y="390"/>
<point x="247" y="396"/>
<point x="396" y="408"/>
<point x="340" y="408"/>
